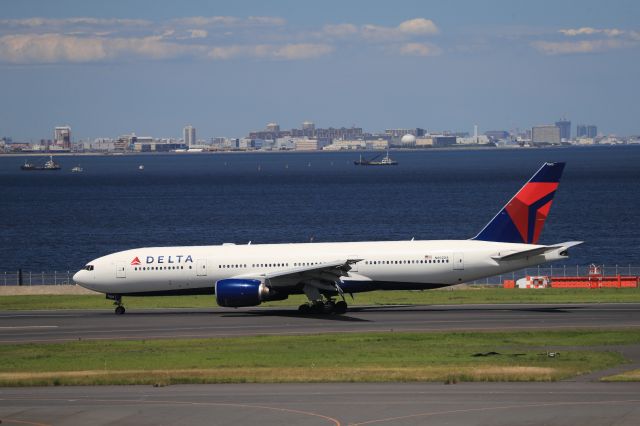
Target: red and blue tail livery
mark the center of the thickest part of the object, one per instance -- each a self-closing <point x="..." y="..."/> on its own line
<point x="522" y="219"/>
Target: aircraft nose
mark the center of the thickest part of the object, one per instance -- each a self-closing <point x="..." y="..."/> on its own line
<point x="77" y="277"/>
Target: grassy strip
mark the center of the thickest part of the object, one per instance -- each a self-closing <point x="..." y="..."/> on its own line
<point x="443" y="297"/>
<point x="370" y="357"/>
<point x="627" y="376"/>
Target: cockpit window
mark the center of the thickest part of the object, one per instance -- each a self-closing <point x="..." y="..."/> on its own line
<point x="88" y="268"/>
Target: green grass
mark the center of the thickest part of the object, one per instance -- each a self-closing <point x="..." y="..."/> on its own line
<point x="467" y="296"/>
<point x="627" y="376"/>
<point x="369" y="357"/>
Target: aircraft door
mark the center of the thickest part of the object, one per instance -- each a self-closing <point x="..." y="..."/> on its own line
<point x="458" y="261"/>
<point x="201" y="267"/>
<point x="121" y="270"/>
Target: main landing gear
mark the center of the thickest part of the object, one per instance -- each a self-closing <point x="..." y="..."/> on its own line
<point x="117" y="301"/>
<point x="324" y="307"/>
<point x="319" y="304"/>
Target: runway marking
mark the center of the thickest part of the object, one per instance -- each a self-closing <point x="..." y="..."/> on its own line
<point x="21" y="327"/>
<point x="22" y="422"/>
<point x="505" y="407"/>
<point x="165" y="402"/>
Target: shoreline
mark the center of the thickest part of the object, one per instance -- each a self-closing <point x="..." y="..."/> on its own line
<point x="443" y="149"/>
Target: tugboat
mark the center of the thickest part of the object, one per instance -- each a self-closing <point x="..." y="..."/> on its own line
<point x="386" y="161"/>
<point x="49" y="165"/>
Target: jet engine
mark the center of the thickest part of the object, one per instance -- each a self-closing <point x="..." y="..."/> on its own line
<point x="238" y="292"/>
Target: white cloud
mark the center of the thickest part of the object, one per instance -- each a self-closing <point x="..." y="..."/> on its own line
<point x="418" y="26"/>
<point x="268" y="51"/>
<point x="379" y="34"/>
<point x="85" y="39"/>
<point x="609" y="32"/>
<point x="301" y="51"/>
<point x="198" y="33"/>
<point x="588" y="40"/>
<point x="267" y="20"/>
<point x="47" y="22"/>
<point x="583" y="46"/>
<point x="340" y="30"/>
<point x="56" y="48"/>
<point x="418" y="49"/>
<point x="229" y="21"/>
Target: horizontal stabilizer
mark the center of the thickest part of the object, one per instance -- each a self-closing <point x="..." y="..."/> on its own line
<point x="535" y="251"/>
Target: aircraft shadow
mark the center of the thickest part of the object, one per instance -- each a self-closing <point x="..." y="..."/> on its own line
<point x="296" y="314"/>
<point x="415" y="308"/>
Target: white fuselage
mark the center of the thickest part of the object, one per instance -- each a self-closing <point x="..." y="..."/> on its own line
<point x="383" y="265"/>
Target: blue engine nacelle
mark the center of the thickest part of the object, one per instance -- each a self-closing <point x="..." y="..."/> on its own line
<point x="238" y="292"/>
<point x="235" y="292"/>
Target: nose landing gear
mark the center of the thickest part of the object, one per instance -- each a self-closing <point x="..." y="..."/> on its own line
<point x="117" y="301"/>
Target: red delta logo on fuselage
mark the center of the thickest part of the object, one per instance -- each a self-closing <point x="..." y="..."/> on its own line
<point x="135" y="261"/>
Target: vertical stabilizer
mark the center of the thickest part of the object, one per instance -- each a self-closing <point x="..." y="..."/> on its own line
<point x="522" y="219"/>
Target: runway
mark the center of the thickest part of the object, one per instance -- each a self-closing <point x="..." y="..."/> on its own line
<point x="581" y="401"/>
<point x="327" y="404"/>
<point x="58" y="326"/>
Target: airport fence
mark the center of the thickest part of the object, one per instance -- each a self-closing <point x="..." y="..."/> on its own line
<point x="562" y="271"/>
<point x="28" y="278"/>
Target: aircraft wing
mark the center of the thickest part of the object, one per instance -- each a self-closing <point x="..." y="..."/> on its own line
<point x="535" y="251"/>
<point x="329" y="272"/>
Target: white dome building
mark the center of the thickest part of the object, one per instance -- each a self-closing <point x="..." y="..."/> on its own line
<point x="408" y="139"/>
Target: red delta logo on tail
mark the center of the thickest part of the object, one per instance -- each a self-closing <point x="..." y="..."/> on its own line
<point x="529" y="209"/>
<point x="522" y="219"/>
<point x="135" y="261"/>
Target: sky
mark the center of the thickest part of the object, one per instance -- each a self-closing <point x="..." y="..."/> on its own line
<point x="108" y="68"/>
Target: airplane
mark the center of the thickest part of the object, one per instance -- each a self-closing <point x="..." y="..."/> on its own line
<point x="249" y="274"/>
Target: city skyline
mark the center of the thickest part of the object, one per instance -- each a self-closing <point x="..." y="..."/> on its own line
<point x="229" y="68"/>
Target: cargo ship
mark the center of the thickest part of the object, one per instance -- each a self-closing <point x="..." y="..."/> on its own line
<point x="49" y="165"/>
<point x="386" y="161"/>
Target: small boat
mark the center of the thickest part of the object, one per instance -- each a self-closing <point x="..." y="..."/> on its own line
<point x="77" y="169"/>
<point x="28" y="166"/>
<point x="386" y="161"/>
<point x="141" y="167"/>
<point x="48" y="165"/>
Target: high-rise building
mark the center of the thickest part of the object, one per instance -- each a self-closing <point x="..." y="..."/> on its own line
<point x="273" y="127"/>
<point x="189" y="135"/>
<point x="545" y="134"/>
<point x="565" y="128"/>
<point x="308" y="125"/>
<point x="62" y="137"/>
<point x="587" y="131"/>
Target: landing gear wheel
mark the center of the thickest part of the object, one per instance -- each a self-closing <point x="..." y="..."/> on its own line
<point x="120" y="310"/>
<point x="340" y="307"/>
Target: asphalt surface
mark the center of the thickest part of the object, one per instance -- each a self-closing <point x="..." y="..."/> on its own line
<point x="56" y="326"/>
<point x="581" y="401"/>
<point x="327" y="404"/>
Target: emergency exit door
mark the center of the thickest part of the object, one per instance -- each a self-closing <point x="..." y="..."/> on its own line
<point x="458" y="261"/>
<point x="121" y="271"/>
<point x="201" y="267"/>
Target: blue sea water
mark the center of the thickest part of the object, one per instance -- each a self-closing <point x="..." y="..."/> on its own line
<point x="60" y="220"/>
